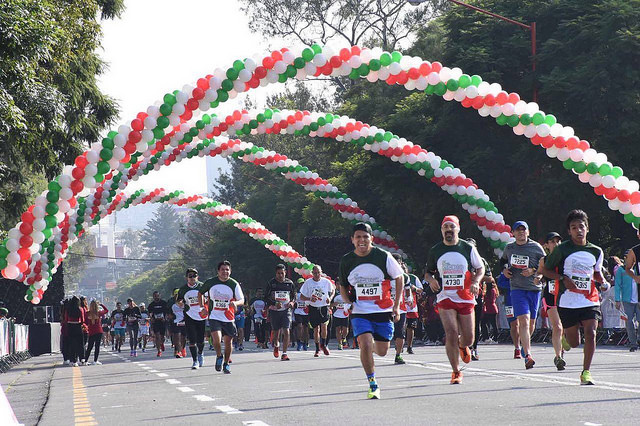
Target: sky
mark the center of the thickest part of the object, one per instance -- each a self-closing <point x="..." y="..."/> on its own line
<point x="158" y="46"/>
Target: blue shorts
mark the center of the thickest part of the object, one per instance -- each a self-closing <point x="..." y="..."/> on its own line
<point x="382" y="331"/>
<point x="119" y="332"/>
<point x="525" y="302"/>
<point x="240" y="322"/>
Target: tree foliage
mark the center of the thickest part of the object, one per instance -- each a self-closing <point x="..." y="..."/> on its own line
<point x="162" y="234"/>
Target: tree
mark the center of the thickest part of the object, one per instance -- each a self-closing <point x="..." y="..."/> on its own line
<point x="131" y="240"/>
<point x="163" y="234"/>
<point x="50" y="104"/>
<point x="384" y="23"/>
<point x="76" y="263"/>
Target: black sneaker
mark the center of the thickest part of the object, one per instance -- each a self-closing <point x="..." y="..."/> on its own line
<point x="410" y="350"/>
<point x="399" y="359"/>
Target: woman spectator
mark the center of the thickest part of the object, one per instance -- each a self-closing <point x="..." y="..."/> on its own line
<point x="84" y="305"/>
<point x="74" y="317"/>
<point x="490" y="313"/>
<point x="64" y="332"/>
<point x="94" y="327"/>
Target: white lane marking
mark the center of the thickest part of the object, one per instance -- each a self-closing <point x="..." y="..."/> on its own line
<point x="288" y="390"/>
<point x="592" y="424"/>
<point x="621" y="387"/>
<point x="141" y="365"/>
<point x="185" y="389"/>
<point x="173" y="381"/>
<point x="162" y="375"/>
<point x="286" y="381"/>
<point x="227" y="410"/>
<point x="146" y="368"/>
<point x="254" y="423"/>
<point x="153" y="371"/>
<point x="203" y="398"/>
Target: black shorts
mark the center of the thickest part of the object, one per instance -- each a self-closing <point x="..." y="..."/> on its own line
<point x="318" y="316"/>
<point x="399" y="327"/>
<point x="570" y="317"/>
<point x="178" y="329"/>
<point x="133" y="327"/>
<point x="158" y="326"/>
<point x="195" y="330"/>
<point x="549" y="298"/>
<point x="280" y="319"/>
<point x="227" y="328"/>
<point x="412" y="323"/>
<point x="340" y="322"/>
<point x="300" y="319"/>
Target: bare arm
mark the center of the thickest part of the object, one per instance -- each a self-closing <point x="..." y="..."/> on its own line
<point x="629" y="262"/>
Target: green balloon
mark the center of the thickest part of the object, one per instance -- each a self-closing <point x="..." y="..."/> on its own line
<point x="3" y="251"/>
<point x="476" y="80"/>
<point x="627" y="218"/>
<point x="396" y="56"/>
<point x="430" y="89"/>
<point x="169" y="99"/>
<point x="106" y="154"/>
<point x="605" y="169"/>
<point x="299" y="63"/>
<point x="385" y="59"/>
<point x="112" y="134"/>
<point x="47" y="233"/>
<point x="538" y="118"/>
<point x="354" y="75"/>
<point x="513" y="120"/>
<point x="162" y="122"/>
<point x="568" y="164"/>
<point x="226" y="85"/>
<point x="363" y="70"/>
<point x="282" y="78"/>
<point x="51" y="208"/>
<point x="592" y="168"/>
<point x="501" y="119"/>
<point x="238" y="65"/>
<point x="550" y="119"/>
<point x="223" y="96"/>
<point x="525" y="119"/>
<point x="108" y="143"/>
<point x="464" y="81"/>
<point x="452" y="85"/>
<point x="165" y="109"/>
<point x="580" y="167"/>
<point x="616" y="171"/>
<point x="3" y="263"/>
<point x="291" y="71"/>
<point x="440" y="89"/>
<point x="53" y="196"/>
<point x="50" y="221"/>
<point x="54" y="186"/>
<point x="99" y="177"/>
<point x="374" y="64"/>
<point x="316" y="48"/>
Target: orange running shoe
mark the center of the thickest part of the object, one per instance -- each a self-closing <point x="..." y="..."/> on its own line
<point x="456" y="377"/>
<point x="276" y="352"/>
<point x="465" y="355"/>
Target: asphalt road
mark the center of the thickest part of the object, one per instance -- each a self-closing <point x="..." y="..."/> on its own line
<point x="307" y="390"/>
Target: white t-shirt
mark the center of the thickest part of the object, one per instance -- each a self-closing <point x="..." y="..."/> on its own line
<point x="258" y="307"/>
<point x="301" y="306"/>
<point x="342" y="307"/>
<point x="179" y="314"/>
<point x="319" y="291"/>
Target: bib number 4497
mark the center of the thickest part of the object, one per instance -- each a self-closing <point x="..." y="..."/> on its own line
<point x="369" y="291"/>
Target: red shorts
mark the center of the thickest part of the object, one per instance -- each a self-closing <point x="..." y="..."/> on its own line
<point x="460" y="308"/>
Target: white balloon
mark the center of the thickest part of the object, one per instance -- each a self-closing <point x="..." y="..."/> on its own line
<point x="584" y="177"/>
<point x="563" y="154"/>
<point x="552" y="151"/>
<point x="614" y="204"/>
<point x="622" y="183"/>
<point x="595" y="180"/>
<point x="577" y="154"/>
<point x="608" y="181"/>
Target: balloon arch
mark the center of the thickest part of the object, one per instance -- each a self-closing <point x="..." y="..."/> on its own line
<point x="36" y="246"/>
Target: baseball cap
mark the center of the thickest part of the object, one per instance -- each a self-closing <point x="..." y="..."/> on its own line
<point x="451" y="219"/>
<point x="300" y="280"/>
<point x="551" y="235"/>
<point x="520" y="223"/>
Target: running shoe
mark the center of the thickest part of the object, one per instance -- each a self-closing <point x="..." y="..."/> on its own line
<point x="565" y="344"/>
<point x="325" y="349"/>
<point x="66" y="362"/>
<point x="633" y="348"/>
<point x="284" y="357"/>
<point x="276" y="351"/>
<point x="585" y="378"/>
<point x="516" y="354"/>
<point x="529" y="362"/>
<point x="241" y="347"/>
<point x="219" y="360"/>
<point x="159" y="354"/>
<point x="210" y="347"/>
<point x="184" y="352"/>
<point x="465" y="355"/>
<point x="162" y="347"/>
<point x="178" y="355"/>
<point x="317" y="354"/>
<point x="474" y="355"/>
<point x="373" y="393"/>
<point x="97" y="363"/>
<point x="135" y="353"/>
<point x="226" y="369"/>
<point x="299" y="348"/>
<point x="410" y="350"/>
<point x="144" y="349"/>
<point x="305" y="346"/>
<point x="456" y="377"/>
<point x="200" y="360"/>
<point x="399" y="359"/>
<point x="559" y="363"/>
<point x="74" y="364"/>
<point x="195" y="365"/>
<point x="340" y="348"/>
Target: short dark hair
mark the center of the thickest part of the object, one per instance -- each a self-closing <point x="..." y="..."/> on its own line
<point x="191" y="270"/>
<point x="280" y="266"/>
<point x="397" y="257"/>
<point x="577" y="214"/>
<point x="224" y="262"/>
<point x="361" y="226"/>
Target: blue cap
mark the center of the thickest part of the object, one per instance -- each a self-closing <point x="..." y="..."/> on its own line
<point x="520" y="223"/>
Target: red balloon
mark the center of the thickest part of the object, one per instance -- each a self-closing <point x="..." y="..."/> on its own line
<point x="345" y="54"/>
<point x="425" y="68"/>
<point x="268" y="62"/>
<point x="76" y="186"/>
<point x="26" y="228"/>
<point x="77" y="173"/>
<point x="24" y="253"/>
<point x="137" y="125"/>
<point x="81" y="161"/>
<point x="624" y="195"/>
<point x="27" y="217"/>
<point x="635" y="198"/>
<point x="26" y="241"/>
<point x="611" y="193"/>
<point x="335" y="61"/>
<point x="22" y="266"/>
<point x="599" y="190"/>
<point x="436" y="66"/>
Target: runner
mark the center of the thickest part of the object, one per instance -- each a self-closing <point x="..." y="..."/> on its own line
<point x="158" y="311"/>
<point x="178" y="334"/>
<point x="280" y="296"/>
<point x="520" y="259"/>
<point x="579" y="266"/>
<point x="301" y="319"/>
<point x="368" y="275"/>
<point x="549" y="293"/>
<point x="144" y="328"/>
<point x="479" y="308"/>
<point x="505" y="289"/>
<point x="341" y="312"/>
<point x="119" y="326"/>
<point x="106" y="335"/>
<point x="195" y="318"/>
<point x="240" y="324"/>
<point x="224" y="294"/>
<point x="399" y="327"/>
<point x="628" y="294"/>
<point x="413" y="289"/>
<point x="258" y="307"/>
<point x="449" y="266"/>
<point x="318" y="292"/>
<point x="132" y="315"/>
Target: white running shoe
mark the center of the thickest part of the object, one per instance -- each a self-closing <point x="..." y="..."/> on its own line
<point x="75" y="364"/>
<point x="195" y="365"/>
<point x="97" y="363"/>
<point x="66" y="362"/>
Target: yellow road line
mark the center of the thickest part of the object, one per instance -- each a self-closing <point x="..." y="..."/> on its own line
<point x="82" y="413"/>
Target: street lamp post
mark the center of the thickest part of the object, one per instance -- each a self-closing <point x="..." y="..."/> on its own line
<point x="531" y="27"/>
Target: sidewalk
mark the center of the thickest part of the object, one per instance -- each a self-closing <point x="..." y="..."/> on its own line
<point x="27" y="386"/>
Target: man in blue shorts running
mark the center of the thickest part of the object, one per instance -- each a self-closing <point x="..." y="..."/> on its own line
<point x="368" y="275"/>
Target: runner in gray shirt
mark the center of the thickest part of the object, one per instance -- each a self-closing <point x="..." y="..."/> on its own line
<point x="520" y="260"/>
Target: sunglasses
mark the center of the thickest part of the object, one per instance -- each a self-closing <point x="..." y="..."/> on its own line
<point x="191" y="276"/>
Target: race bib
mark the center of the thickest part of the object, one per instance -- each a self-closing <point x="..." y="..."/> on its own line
<point x="220" y="305"/>
<point x="509" y="311"/>
<point x="159" y="316"/>
<point x="582" y="283"/>
<point x="302" y="304"/>
<point x="282" y="296"/>
<point x="452" y="282"/>
<point x="369" y="291"/>
<point x="181" y="323"/>
<point x="552" y="286"/>
<point x="318" y="293"/>
<point x="192" y="301"/>
<point x="340" y="306"/>
<point x="519" y="261"/>
<point x="132" y="318"/>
